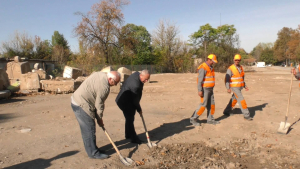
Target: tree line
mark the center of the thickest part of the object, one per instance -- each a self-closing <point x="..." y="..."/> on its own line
<point x="105" y="40"/>
<point x="286" y="48"/>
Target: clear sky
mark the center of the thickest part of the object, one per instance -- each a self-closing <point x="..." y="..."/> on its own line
<point x="255" y="20"/>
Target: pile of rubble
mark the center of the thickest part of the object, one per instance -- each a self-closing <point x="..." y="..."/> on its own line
<point x="18" y="77"/>
<point x="239" y="154"/>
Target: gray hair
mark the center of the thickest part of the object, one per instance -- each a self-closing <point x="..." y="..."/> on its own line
<point x="145" y="72"/>
<point x="113" y="76"/>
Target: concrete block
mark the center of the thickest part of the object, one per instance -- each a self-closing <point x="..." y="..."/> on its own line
<point x="15" y="69"/>
<point x="30" y="81"/>
<point x="42" y="74"/>
<point x="5" y="94"/>
<point x="107" y="69"/>
<point x="72" y="72"/>
<point x="60" y="86"/>
<point x="4" y="81"/>
<point x="125" y="73"/>
<point x="124" y="70"/>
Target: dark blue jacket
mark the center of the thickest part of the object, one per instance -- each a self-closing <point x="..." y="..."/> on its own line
<point x="131" y="93"/>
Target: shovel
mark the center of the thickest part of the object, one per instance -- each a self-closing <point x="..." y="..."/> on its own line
<point x="126" y="161"/>
<point x="284" y="126"/>
<point x="149" y="144"/>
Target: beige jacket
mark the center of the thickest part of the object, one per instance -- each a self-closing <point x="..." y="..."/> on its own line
<point x="92" y="93"/>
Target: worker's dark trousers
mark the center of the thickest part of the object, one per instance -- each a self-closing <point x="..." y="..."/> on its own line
<point x="129" y="113"/>
<point x="88" y="129"/>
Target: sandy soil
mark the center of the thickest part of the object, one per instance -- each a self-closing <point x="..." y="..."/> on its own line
<point x="54" y="140"/>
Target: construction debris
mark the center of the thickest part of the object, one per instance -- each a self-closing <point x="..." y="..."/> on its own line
<point x="72" y="72"/>
<point x="16" y="68"/>
<point x="60" y="86"/>
<point x="125" y="73"/>
<point x="4" y="82"/>
<point x="107" y="69"/>
<point x="5" y="94"/>
<point x="30" y="81"/>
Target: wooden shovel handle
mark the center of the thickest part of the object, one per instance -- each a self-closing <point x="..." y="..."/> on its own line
<point x="288" y="106"/>
<point x="148" y="138"/>
<point x="115" y="147"/>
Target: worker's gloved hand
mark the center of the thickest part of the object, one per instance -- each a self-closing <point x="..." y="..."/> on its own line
<point x="246" y="88"/>
<point x="228" y="90"/>
<point x="200" y="94"/>
<point x="100" y="122"/>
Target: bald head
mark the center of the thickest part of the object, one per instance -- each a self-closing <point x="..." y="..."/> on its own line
<point x="144" y="76"/>
<point x="113" y="78"/>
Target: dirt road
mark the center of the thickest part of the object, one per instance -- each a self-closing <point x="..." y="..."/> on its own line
<point x="54" y="140"/>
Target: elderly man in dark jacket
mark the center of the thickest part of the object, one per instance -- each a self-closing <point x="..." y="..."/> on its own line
<point x="128" y="101"/>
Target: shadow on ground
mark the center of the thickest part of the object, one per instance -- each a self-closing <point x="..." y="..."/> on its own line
<point x="5" y="101"/>
<point x="156" y="135"/>
<point x="291" y="127"/>
<point x="252" y="111"/>
<point x="6" y="117"/>
<point x="40" y="162"/>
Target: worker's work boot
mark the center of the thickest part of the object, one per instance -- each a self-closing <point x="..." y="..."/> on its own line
<point x="248" y="118"/>
<point x="194" y="121"/>
<point x="213" y="122"/>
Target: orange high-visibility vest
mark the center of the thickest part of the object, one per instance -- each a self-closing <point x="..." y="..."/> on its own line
<point x="209" y="79"/>
<point x="237" y="79"/>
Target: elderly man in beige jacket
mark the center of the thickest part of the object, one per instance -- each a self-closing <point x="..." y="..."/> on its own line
<point x="88" y="104"/>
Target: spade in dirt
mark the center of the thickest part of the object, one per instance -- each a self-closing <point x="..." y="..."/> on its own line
<point x="126" y="161"/>
<point x="149" y="144"/>
<point x="284" y="126"/>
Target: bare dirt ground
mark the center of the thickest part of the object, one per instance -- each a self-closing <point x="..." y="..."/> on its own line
<point x="168" y="101"/>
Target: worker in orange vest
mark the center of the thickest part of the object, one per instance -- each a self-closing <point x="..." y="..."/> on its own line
<point x="296" y="72"/>
<point x="206" y="83"/>
<point x="234" y="82"/>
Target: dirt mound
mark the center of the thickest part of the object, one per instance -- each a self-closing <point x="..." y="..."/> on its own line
<point x="200" y="155"/>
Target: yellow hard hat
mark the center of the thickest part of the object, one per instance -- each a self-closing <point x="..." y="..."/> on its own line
<point x="237" y="57"/>
<point x="213" y="58"/>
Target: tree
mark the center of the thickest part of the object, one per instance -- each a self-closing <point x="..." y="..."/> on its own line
<point x="59" y="39"/>
<point x="294" y="45"/>
<point x="136" y="42"/>
<point x="165" y="39"/>
<point x="267" y="56"/>
<point x="43" y="49"/>
<point x="243" y="53"/>
<point x="101" y="26"/>
<point x="21" y="45"/>
<point x="204" y="36"/>
<point x="60" y="48"/>
<point x="259" y="48"/>
<point x="281" y="44"/>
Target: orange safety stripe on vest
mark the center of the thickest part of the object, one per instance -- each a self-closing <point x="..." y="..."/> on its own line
<point x="237" y="79"/>
<point x="209" y="79"/>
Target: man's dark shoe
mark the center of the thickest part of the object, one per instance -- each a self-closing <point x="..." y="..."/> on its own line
<point x="213" y="122"/>
<point x="100" y="156"/>
<point x="248" y="118"/>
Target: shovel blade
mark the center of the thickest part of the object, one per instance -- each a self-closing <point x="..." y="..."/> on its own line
<point x="126" y="161"/>
<point x="283" y="128"/>
<point x="150" y="145"/>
